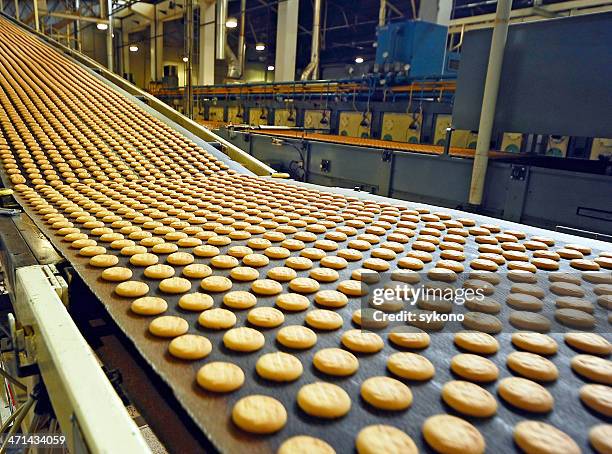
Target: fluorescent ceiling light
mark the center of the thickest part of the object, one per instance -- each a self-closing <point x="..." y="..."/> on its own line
<point x="133" y="48"/>
<point x="231" y="22"/>
<point x="260" y="46"/>
<point x="270" y="67"/>
<point x="101" y="26"/>
<point x="359" y="60"/>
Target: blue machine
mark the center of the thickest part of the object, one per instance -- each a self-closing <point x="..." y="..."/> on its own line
<point x="422" y="45"/>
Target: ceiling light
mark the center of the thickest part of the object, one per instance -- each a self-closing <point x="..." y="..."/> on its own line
<point x="133" y="48"/>
<point x="185" y="59"/>
<point x="101" y="26"/>
<point x="359" y="60"/>
<point x="260" y="46"/>
<point x="270" y="67"/>
<point x="231" y="22"/>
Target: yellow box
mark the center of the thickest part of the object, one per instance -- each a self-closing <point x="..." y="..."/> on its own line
<point x="601" y="146"/>
<point x="281" y="117"/>
<point x="460" y="137"/>
<point x="351" y="124"/>
<point x="511" y="142"/>
<point x="557" y="146"/>
<point x="402" y="127"/>
<point x="256" y="114"/>
<point x="215" y="113"/>
<point x="313" y="118"/>
<point x="232" y="115"/>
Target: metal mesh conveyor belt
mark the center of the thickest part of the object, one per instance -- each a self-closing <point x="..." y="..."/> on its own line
<point x="76" y="151"/>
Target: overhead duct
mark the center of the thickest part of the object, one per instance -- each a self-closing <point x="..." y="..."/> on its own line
<point x="382" y="13"/>
<point x="241" y="45"/>
<point x="235" y="65"/>
<point x="234" y="70"/>
<point x="221" y="38"/>
<point x="312" y="69"/>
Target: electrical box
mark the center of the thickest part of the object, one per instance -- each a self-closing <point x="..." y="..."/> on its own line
<point x="215" y="113"/>
<point x="601" y="147"/>
<point x="355" y="124"/>
<point x="511" y="142"/>
<point x="557" y="146"/>
<point x="422" y="45"/>
<point x="236" y="115"/>
<point x="285" y="117"/>
<point x="317" y="119"/>
<point x="258" y="116"/>
<point x="460" y="138"/>
<point x="402" y="127"/>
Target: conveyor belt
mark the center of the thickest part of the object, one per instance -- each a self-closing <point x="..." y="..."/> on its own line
<point x="371" y="143"/>
<point x="77" y="151"/>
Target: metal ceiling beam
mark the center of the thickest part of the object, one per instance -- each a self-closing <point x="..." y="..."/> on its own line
<point x="73" y="16"/>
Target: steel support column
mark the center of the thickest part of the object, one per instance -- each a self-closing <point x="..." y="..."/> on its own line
<point x="206" y="63"/>
<point x="108" y="10"/>
<point x="189" y="55"/>
<point x="17" y="10"/>
<point x="36" y="18"/>
<point x="156" y="40"/>
<point x="125" y="47"/>
<point x="489" y="101"/>
<point x="286" y="41"/>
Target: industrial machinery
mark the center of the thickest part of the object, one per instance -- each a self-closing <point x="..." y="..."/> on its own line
<point x="417" y="47"/>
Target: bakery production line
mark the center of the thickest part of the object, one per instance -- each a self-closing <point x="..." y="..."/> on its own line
<point x="117" y="197"/>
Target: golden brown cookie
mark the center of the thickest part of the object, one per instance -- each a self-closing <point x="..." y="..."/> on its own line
<point x="525" y="394"/>
<point x="296" y="336"/>
<point x="304" y="444"/>
<point x="149" y="305"/>
<point x="469" y="399"/>
<point x="598" y="398"/>
<point x="362" y="341"/>
<point x="239" y="299"/>
<point x="217" y="318"/>
<point x="131" y="289"/>
<point x="410" y="366"/>
<point x="589" y="343"/>
<point x="243" y="339"/>
<point x="259" y="414"/>
<point x="593" y="367"/>
<point x="168" y="326"/>
<point x="324" y="400"/>
<point x="532" y="366"/>
<point x="535" y="343"/>
<point x="190" y="347"/>
<point x="216" y="284"/>
<point x="335" y="361"/>
<point x="474" y="368"/>
<point x="195" y="302"/>
<point x="159" y="271"/>
<point x="451" y="435"/>
<point x="600" y="437"/>
<point x="386" y="393"/>
<point x="541" y="438"/>
<point x="175" y="285"/>
<point x="279" y="367"/>
<point x="220" y="377"/>
<point x="380" y="438"/>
